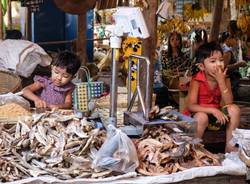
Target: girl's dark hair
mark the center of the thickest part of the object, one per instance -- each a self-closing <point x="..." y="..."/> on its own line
<point x="200" y="35"/>
<point x="232" y="27"/>
<point x="68" y="60"/>
<point x="170" y="49"/>
<point x="13" y="34"/>
<point x="203" y="52"/>
<point x="223" y="36"/>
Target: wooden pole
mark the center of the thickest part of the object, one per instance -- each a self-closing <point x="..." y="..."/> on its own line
<point x="9" y="14"/>
<point x="81" y="38"/>
<point x="28" y="29"/>
<point x="1" y="21"/>
<point x="149" y="44"/>
<point x="217" y="14"/>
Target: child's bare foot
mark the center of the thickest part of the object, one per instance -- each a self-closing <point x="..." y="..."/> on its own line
<point x="231" y="148"/>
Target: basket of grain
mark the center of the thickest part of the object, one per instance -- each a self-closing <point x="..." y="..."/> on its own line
<point x="12" y="111"/>
<point x="10" y="82"/>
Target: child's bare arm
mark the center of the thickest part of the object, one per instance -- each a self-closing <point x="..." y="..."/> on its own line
<point x="67" y="103"/>
<point x="224" y="85"/>
<point x="231" y="67"/>
<point x="28" y="92"/>
<point x="227" y="58"/>
<point x="226" y="92"/>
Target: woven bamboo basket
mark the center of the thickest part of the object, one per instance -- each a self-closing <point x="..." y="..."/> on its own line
<point x="9" y="82"/>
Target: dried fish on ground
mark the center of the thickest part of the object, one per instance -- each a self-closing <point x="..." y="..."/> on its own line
<point x="160" y="151"/>
<point x="55" y="143"/>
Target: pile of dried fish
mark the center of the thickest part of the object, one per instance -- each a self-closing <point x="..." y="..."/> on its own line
<point x="55" y="144"/>
<point x="161" y="152"/>
<point x="165" y="113"/>
<point x="172" y="118"/>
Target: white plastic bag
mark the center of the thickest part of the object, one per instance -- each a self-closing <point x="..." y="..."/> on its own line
<point x="118" y="153"/>
<point x="14" y="98"/>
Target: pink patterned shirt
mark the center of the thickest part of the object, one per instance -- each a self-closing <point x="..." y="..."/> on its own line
<point x="51" y="94"/>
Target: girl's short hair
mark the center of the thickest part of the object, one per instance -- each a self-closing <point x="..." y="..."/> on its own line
<point x="203" y="52"/>
<point x="68" y="60"/>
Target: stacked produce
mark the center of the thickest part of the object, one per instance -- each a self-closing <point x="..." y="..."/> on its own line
<point x="51" y="143"/>
<point x="176" y="24"/>
<point x="243" y="22"/>
<point x="161" y="151"/>
<point x="240" y="3"/>
<point x="194" y="12"/>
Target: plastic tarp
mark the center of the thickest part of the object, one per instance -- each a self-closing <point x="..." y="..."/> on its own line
<point x="232" y="165"/>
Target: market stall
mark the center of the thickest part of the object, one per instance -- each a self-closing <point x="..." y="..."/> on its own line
<point x="59" y="147"/>
<point x="119" y="135"/>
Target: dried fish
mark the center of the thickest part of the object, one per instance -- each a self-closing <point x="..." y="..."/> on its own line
<point x="34" y="171"/>
<point x="74" y="127"/>
<point x="40" y="139"/>
<point x="38" y="164"/>
<point x="101" y="174"/>
<point x="159" y="153"/>
<point x="43" y="145"/>
<point x="42" y="132"/>
<point x="93" y="135"/>
<point x="75" y="143"/>
<point x="18" y="131"/>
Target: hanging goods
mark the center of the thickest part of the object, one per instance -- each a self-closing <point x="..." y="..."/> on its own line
<point x="85" y="91"/>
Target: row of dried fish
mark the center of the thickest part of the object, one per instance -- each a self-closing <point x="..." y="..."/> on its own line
<point x="51" y="143"/>
<point x="162" y="152"/>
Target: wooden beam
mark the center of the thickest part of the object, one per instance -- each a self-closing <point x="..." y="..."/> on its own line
<point x="9" y="14"/>
<point x="81" y="38"/>
<point x="217" y="15"/>
<point x="149" y="44"/>
<point x="1" y="21"/>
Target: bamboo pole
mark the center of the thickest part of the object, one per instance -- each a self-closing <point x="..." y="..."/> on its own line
<point x="1" y="21"/>
<point x="9" y="14"/>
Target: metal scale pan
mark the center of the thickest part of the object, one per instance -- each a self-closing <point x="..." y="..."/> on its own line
<point x="136" y="122"/>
